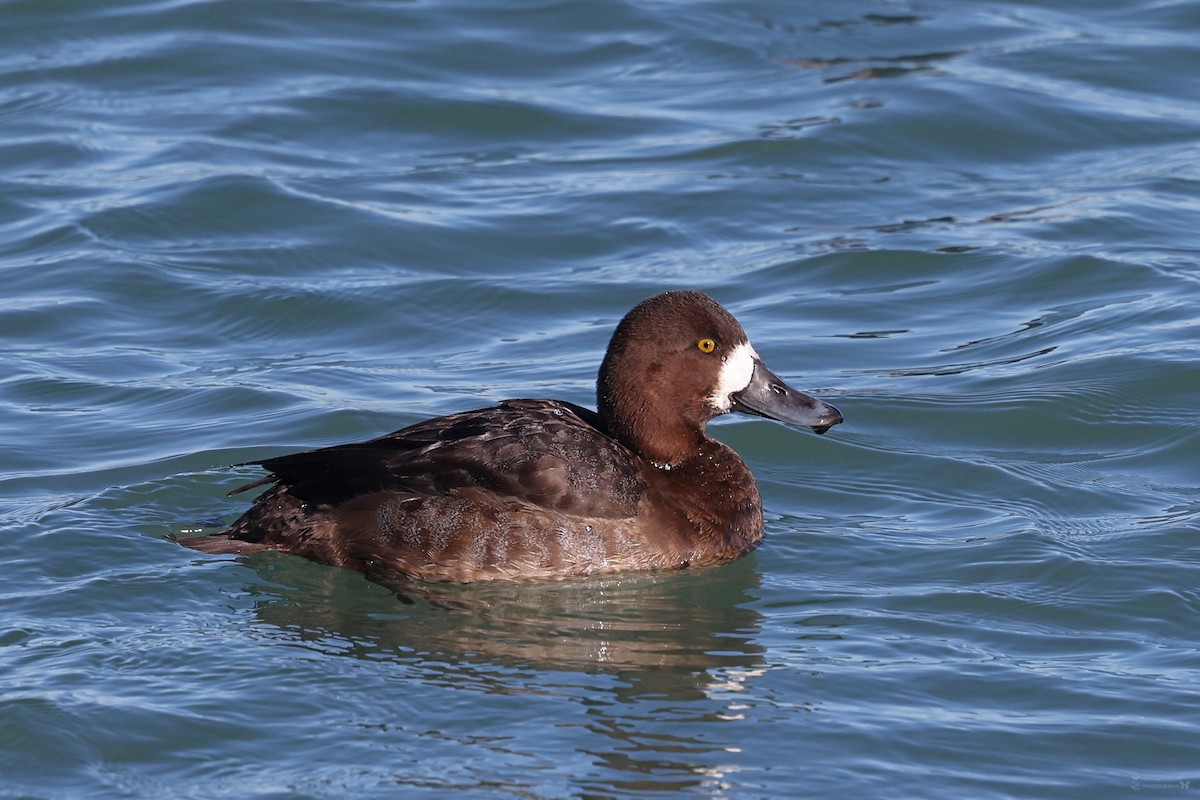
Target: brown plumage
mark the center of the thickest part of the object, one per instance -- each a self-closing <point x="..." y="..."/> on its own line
<point x="540" y="488"/>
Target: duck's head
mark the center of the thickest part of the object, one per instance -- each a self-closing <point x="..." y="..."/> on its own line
<point x="679" y="359"/>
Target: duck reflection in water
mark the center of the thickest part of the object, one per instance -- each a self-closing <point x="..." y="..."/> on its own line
<point x="616" y="657"/>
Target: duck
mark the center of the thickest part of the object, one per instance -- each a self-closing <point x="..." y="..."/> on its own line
<point x="535" y="489"/>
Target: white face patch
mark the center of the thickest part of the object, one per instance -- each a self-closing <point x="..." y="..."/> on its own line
<point x="737" y="368"/>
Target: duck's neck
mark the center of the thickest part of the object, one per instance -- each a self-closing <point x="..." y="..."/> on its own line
<point x="643" y="415"/>
<point x="666" y="444"/>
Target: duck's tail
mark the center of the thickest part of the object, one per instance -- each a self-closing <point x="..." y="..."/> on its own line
<point x="221" y="543"/>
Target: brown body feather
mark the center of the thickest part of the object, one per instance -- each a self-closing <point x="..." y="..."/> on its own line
<point x="527" y="489"/>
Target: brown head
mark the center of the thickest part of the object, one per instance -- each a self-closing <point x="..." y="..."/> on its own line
<point x="679" y="359"/>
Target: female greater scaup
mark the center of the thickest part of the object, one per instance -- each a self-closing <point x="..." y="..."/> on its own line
<point x="542" y="488"/>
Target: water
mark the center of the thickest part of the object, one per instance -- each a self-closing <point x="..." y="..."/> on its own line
<point x="233" y="230"/>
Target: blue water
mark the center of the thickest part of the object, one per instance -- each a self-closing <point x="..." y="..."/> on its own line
<point x="231" y="230"/>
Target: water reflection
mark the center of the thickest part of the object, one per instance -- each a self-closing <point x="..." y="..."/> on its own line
<point x="647" y="665"/>
<point x="688" y="622"/>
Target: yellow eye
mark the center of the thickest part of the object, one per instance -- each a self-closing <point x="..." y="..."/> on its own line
<point x="706" y="345"/>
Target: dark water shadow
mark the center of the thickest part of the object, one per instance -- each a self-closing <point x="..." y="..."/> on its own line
<point x="875" y="68"/>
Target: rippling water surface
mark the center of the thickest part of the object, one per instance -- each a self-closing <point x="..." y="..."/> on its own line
<point x="231" y="230"/>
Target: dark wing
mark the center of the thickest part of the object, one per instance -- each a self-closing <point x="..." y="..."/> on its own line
<point x="547" y="453"/>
